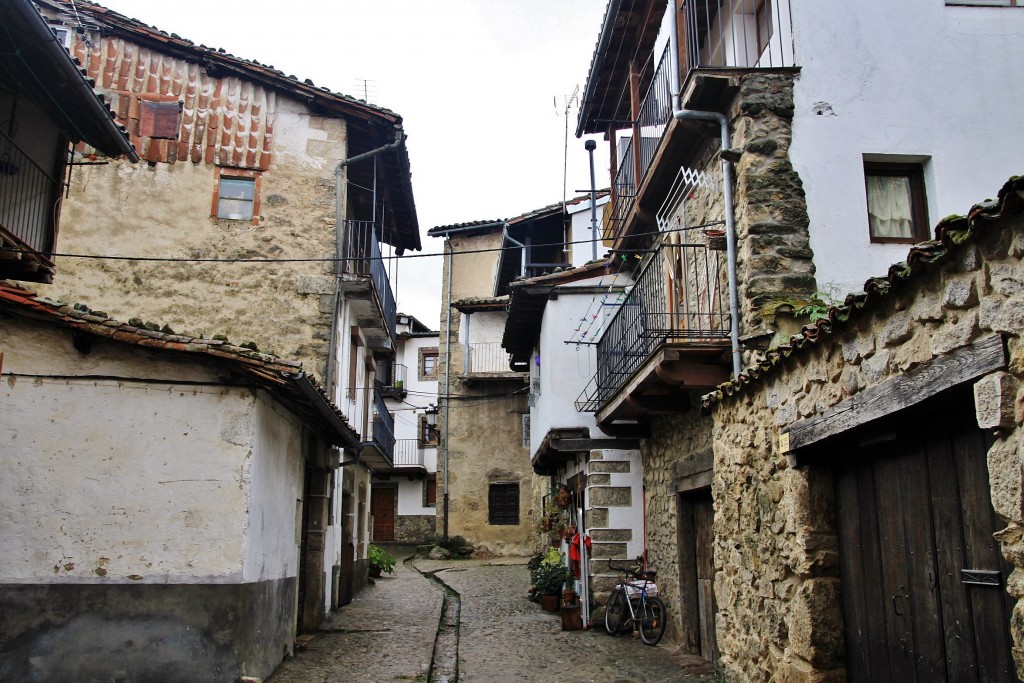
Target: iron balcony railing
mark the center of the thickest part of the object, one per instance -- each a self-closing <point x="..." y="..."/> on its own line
<point x="679" y="297"/>
<point x="755" y="34"/>
<point x="29" y="197"/>
<point x="486" y="357"/>
<point x="655" y="113"/>
<point x="391" y="381"/>
<point x="409" y="453"/>
<point x="383" y="426"/>
<point x="363" y="257"/>
<point x="750" y="34"/>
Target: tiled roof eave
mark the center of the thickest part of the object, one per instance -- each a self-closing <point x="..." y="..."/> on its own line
<point x="281" y="377"/>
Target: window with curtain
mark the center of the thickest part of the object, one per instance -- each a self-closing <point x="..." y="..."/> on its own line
<point x="897" y="210"/>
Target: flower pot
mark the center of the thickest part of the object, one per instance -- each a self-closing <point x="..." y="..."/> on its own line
<point x="571" y="619"/>
<point x="549" y="603"/>
<point x="716" y="240"/>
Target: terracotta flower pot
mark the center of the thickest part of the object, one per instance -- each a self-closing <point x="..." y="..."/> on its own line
<point x="549" y="603"/>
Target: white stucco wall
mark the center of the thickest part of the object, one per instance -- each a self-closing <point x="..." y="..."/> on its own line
<point x="566" y="369"/>
<point x="915" y="78"/>
<point x="581" y="234"/>
<point x="277" y="471"/>
<point x="120" y="479"/>
<point x="421" y="393"/>
<point x="483" y="327"/>
<point x="631" y="517"/>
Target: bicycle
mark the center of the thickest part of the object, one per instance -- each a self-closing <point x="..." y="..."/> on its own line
<point x="638" y="599"/>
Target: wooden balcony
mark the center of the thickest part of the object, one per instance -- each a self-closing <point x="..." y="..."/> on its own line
<point x="670" y="336"/>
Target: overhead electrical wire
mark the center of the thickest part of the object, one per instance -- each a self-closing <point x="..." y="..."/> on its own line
<point x="169" y="259"/>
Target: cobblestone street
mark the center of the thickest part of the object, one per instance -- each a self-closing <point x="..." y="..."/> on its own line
<point x="387" y="634"/>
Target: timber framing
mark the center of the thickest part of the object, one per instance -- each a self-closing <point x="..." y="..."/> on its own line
<point x="963" y="365"/>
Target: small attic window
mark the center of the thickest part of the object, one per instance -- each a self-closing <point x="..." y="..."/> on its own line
<point x="63" y="34"/>
<point x="237" y="195"/>
<point x="160" y="120"/>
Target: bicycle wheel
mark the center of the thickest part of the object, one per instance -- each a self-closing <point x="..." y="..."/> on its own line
<point x="615" y="613"/>
<point x="652" y="621"/>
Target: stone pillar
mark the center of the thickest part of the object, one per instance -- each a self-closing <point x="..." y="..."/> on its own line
<point x="773" y="244"/>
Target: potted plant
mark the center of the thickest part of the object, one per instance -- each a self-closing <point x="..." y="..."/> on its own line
<point x="550" y="578"/>
<point x="380" y="561"/>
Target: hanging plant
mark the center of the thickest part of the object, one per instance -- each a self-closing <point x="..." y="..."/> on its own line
<point x="564" y="497"/>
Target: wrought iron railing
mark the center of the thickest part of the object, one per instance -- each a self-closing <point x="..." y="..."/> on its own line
<point x="383" y="426"/>
<point x="484" y="357"/>
<point x="363" y="257"/>
<point x="679" y="297"/>
<point x="409" y="453"/>
<point x="391" y="380"/>
<point x="655" y="114"/>
<point x="29" y="197"/>
<point x="737" y="34"/>
<point x="755" y="34"/>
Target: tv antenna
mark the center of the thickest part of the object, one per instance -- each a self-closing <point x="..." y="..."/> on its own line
<point x="568" y="102"/>
<point x="367" y="88"/>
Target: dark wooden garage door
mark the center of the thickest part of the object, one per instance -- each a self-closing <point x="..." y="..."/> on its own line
<point x="382" y="507"/>
<point x="923" y="582"/>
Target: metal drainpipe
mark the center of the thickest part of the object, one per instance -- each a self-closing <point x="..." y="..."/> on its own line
<point x="730" y="226"/>
<point x="590" y="146"/>
<point x="341" y="242"/>
<point x="447" y="379"/>
<point x="465" y="362"/>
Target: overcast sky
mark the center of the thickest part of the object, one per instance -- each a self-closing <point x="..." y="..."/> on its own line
<point x="482" y="86"/>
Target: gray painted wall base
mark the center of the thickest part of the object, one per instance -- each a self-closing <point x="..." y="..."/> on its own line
<point x="144" y="633"/>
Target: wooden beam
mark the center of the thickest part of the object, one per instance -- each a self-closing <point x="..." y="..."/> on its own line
<point x="692" y="375"/>
<point x="897" y="393"/>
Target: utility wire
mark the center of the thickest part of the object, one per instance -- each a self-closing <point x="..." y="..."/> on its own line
<point x="168" y="259"/>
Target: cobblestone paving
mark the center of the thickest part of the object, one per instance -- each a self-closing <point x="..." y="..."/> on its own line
<point x="387" y="635"/>
<point x="504" y="637"/>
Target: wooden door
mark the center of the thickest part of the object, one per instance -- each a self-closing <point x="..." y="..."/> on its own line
<point x="382" y="507"/>
<point x="704" y="539"/>
<point x="697" y="605"/>
<point x="923" y="581"/>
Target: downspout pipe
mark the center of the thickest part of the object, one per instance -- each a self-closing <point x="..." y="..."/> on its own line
<point x="341" y="241"/>
<point x="447" y="385"/>
<point x="730" y="225"/>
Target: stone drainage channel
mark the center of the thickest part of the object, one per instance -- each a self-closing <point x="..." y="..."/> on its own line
<point x="444" y="661"/>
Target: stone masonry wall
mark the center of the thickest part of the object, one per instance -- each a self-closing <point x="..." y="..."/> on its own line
<point x="162" y="210"/>
<point x="480" y="425"/>
<point x="773" y="244"/>
<point x="674" y="440"/>
<point x="414" y="528"/>
<point x="776" y="558"/>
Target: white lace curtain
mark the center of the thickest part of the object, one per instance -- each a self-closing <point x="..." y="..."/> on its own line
<point x="889" y="205"/>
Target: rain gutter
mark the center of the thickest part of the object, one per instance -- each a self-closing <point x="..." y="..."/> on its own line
<point x="730" y="225"/>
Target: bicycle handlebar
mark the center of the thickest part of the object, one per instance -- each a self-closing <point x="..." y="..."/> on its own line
<point x="641" y="574"/>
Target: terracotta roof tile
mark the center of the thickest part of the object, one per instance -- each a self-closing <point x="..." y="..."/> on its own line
<point x="949" y="234"/>
<point x="282" y="378"/>
<point x="441" y="230"/>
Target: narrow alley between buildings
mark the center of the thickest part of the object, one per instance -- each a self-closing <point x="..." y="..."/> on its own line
<point x="388" y="634"/>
